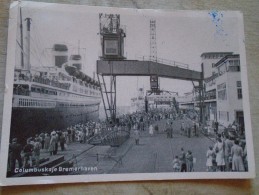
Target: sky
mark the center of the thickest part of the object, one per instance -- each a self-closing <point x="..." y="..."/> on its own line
<point x="181" y="36"/>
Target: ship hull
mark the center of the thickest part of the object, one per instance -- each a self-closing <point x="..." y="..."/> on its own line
<point x="27" y="122"/>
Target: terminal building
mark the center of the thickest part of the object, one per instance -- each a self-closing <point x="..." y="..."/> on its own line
<point x="223" y="89"/>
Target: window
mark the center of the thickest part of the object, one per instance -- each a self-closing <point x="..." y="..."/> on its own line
<point x="222" y="92"/>
<point x="239" y="84"/>
<point x="234" y="62"/>
<point x="239" y="94"/>
<point x="239" y="90"/>
<point x="224" y="115"/>
<point x="111" y="47"/>
<point x="234" y="66"/>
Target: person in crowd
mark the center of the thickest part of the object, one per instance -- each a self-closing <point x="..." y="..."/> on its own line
<point x="237" y="154"/>
<point x="245" y="158"/>
<point x="69" y="133"/>
<point x="56" y="145"/>
<point x="52" y="144"/>
<point x="183" y="128"/>
<point x="96" y="131"/>
<point x="183" y="161"/>
<point x="73" y="132"/>
<point x="42" y="137"/>
<point x="171" y="129"/>
<point x="228" y="145"/>
<point x="189" y="160"/>
<point x="62" y="141"/>
<point x="176" y="164"/>
<point x="136" y="135"/>
<point x="195" y="129"/>
<point x="66" y="138"/>
<point x="219" y="150"/>
<point x="86" y="134"/>
<point x="235" y="126"/>
<point x="167" y="129"/>
<point x="216" y="125"/>
<point x="209" y="162"/>
<point x="151" y="130"/>
<point x="46" y="141"/>
<point x="36" y="151"/>
<point x="15" y="150"/>
<point x="189" y="132"/>
<point x="81" y="136"/>
<point x="156" y="128"/>
<point x="27" y="150"/>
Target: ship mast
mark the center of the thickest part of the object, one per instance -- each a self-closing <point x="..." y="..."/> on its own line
<point x="27" y="62"/>
<point x="78" y="49"/>
<point x="21" y="38"/>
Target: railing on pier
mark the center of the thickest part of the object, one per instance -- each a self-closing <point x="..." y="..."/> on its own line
<point x="110" y="137"/>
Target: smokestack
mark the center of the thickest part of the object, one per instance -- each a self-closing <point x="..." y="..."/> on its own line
<point x="60" y="54"/>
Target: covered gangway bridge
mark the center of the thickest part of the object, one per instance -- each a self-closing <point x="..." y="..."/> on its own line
<point x="114" y="68"/>
<point x="146" y="68"/>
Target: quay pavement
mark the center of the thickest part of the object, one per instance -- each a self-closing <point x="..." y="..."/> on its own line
<point x="153" y="154"/>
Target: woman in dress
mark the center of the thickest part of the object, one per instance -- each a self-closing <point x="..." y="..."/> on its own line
<point x="209" y="156"/>
<point x="151" y="130"/>
<point x="237" y="154"/>
<point x="136" y="135"/>
<point x="219" y="150"/>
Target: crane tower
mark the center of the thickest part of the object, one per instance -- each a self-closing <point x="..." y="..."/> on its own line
<point x="154" y="80"/>
<point x="153" y="49"/>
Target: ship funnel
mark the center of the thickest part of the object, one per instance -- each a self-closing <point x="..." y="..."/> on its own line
<point x="75" y="60"/>
<point x="60" y="54"/>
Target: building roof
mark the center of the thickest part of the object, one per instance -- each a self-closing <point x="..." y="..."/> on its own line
<point x="211" y="53"/>
<point x="225" y="58"/>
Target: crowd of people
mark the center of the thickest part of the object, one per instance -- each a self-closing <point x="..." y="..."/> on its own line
<point x="224" y="155"/>
<point x="28" y="155"/>
<point x="227" y="155"/>
<point x="184" y="162"/>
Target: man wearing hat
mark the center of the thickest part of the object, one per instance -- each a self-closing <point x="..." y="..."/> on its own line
<point x="15" y="150"/>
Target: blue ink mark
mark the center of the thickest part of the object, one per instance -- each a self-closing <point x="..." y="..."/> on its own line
<point x="217" y="19"/>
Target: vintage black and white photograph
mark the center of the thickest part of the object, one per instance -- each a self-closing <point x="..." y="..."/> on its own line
<point x="112" y="94"/>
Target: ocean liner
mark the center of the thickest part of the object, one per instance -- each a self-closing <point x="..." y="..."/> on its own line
<point x="138" y="102"/>
<point x="54" y="97"/>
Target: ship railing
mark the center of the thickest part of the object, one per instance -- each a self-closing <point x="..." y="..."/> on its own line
<point x="54" y="83"/>
<point x="27" y="102"/>
<point x="21" y="92"/>
<point x="50" y="82"/>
